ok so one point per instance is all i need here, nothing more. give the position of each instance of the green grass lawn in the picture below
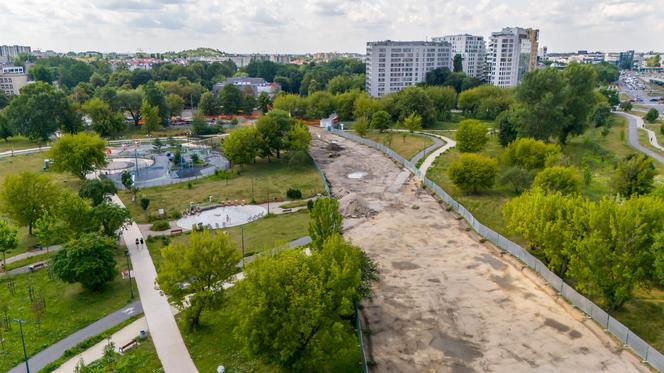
(406, 147)
(263, 234)
(273, 178)
(133, 132)
(35, 163)
(18, 143)
(644, 314)
(213, 344)
(453, 123)
(68, 308)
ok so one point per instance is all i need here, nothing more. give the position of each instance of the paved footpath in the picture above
(165, 334)
(633, 124)
(30, 254)
(449, 143)
(54, 351)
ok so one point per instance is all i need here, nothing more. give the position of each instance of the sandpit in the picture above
(223, 217)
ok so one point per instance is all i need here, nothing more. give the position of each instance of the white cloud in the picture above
(320, 25)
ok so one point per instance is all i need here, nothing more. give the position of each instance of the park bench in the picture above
(287, 210)
(36, 248)
(36, 266)
(176, 231)
(129, 345)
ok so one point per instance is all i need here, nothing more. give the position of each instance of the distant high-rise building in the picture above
(9, 52)
(626, 60)
(511, 54)
(472, 50)
(394, 65)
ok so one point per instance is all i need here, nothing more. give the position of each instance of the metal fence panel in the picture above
(648, 353)
(618, 329)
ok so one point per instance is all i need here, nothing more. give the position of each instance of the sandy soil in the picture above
(445, 301)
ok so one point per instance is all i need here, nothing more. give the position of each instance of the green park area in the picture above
(258, 181)
(406, 146)
(142, 358)
(18, 143)
(52, 309)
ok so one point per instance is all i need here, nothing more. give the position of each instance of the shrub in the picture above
(634, 175)
(530, 153)
(310, 204)
(626, 106)
(294, 193)
(160, 225)
(380, 120)
(471, 136)
(518, 178)
(145, 203)
(652, 115)
(565, 180)
(472, 172)
(361, 125)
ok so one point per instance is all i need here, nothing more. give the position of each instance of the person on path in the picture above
(137, 243)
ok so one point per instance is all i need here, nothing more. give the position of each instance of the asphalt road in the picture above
(633, 138)
(54, 351)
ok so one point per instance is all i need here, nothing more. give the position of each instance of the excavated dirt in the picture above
(445, 302)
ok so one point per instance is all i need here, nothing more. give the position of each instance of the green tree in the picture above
(8, 240)
(564, 180)
(130, 100)
(298, 137)
(580, 81)
(4, 100)
(518, 178)
(72, 216)
(472, 172)
(88, 260)
(27, 196)
(626, 106)
(39, 111)
(110, 217)
(413, 100)
(78, 154)
(634, 175)
(443, 98)
(507, 130)
(150, 116)
(5, 131)
(155, 97)
(607, 73)
(530, 153)
(175, 104)
(325, 221)
(457, 63)
(471, 136)
(320, 105)
(97, 190)
(413, 123)
(380, 120)
(47, 230)
(485, 102)
(365, 106)
(204, 264)
(361, 126)
(602, 115)
(145, 203)
(273, 128)
(209, 104)
(127, 180)
(293, 104)
(105, 121)
(611, 95)
(230, 99)
(320, 289)
(264, 102)
(652, 115)
(242, 145)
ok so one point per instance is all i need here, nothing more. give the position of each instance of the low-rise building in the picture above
(12, 79)
(256, 85)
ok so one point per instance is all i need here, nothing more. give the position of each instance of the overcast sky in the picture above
(294, 26)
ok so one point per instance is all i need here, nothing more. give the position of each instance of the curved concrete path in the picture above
(437, 143)
(164, 330)
(449, 143)
(633, 124)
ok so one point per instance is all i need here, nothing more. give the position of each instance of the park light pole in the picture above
(242, 232)
(25, 351)
(131, 288)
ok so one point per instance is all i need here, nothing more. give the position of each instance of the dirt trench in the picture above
(446, 302)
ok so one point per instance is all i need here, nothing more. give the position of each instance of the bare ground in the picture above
(445, 301)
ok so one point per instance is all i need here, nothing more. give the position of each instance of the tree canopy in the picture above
(89, 260)
(28, 195)
(78, 154)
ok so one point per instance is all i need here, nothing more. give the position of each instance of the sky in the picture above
(299, 26)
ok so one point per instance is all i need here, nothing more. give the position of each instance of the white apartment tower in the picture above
(394, 65)
(9, 52)
(511, 54)
(472, 50)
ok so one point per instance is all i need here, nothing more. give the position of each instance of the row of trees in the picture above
(321, 289)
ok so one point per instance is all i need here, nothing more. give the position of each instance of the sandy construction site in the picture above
(445, 301)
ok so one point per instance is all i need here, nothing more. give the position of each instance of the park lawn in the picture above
(142, 358)
(68, 308)
(406, 147)
(452, 123)
(269, 178)
(133, 132)
(643, 140)
(18, 143)
(260, 235)
(30, 260)
(213, 344)
(35, 163)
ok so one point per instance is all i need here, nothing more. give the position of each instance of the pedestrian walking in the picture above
(142, 242)
(137, 243)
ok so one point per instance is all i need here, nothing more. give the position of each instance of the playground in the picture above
(150, 166)
(222, 217)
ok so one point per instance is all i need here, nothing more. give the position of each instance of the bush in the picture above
(160, 225)
(472, 172)
(471, 136)
(145, 203)
(530, 153)
(565, 180)
(518, 178)
(380, 120)
(294, 193)
(652, 115)
(310, 204)
(634, 175)
(626, 106)
(361, 126)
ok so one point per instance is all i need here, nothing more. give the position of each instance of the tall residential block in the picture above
(512, 52)
(9, 52)
(472, 50)
(394, 65)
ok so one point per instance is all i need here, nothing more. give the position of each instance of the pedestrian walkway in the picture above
(161, 323)
(449, 143)
(54, 351)
(30, 254)
(96, 352)
(633, 124)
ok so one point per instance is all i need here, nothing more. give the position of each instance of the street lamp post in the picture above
(242, 232)
(25, 351)
(131, 288)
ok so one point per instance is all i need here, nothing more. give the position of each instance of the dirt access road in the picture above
(445, 301)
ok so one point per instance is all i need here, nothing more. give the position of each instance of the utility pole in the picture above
(242, 232)
(25, 351)
(131, 287)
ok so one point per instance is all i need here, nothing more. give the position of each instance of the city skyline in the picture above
(282, 26)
